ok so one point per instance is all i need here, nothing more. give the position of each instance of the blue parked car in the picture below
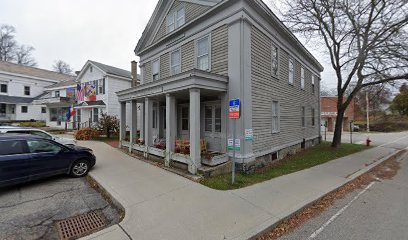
(25, 158)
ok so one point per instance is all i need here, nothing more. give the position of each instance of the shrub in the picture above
(86, 134)
(109, 124)
(36, 124)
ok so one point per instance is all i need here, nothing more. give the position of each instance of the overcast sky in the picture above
(74, 31)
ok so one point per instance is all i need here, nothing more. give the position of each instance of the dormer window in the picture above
(176, 19)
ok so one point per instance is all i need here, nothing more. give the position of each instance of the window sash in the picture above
(26, 90)
(96, 115)
(184, 119)
(313, 84)
(291, 71)
(4, 88)
(170, 23)
(180, 17)
(156, 70)
(303, 117)
(275, 60)
(175, 60)
(302, 78)
(275, 117)
(313, 117)
(203, 54)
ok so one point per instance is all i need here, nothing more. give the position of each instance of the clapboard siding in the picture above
(219, 50)
(266, 89)
(165, 65)
(192, 11)
(187, 56)
(147, 75)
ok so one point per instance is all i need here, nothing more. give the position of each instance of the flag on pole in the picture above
(91, 92)
(80, 93)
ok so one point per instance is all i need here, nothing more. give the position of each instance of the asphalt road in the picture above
(29, 211)
(380, 212)
(397, 140)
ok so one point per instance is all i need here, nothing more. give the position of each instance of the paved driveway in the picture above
(30, 211)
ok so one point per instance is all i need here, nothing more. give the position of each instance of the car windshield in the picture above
(42, 134)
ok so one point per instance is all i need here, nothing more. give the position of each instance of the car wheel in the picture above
(80, 168)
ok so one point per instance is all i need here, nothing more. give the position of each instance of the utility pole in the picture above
(368, 113)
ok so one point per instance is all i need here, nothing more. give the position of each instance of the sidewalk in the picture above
(163, 205)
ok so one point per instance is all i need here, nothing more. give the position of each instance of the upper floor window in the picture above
(27, 90)
(303, 117)
(275, 60)
(156, 70)
(101, 86)
(203, 53)
(57, 93)
(43, 110)
(313, 84)
(175, 62)
(291, 71)
(91, 69)
(176, 19)
(302, 77)
(3, 88)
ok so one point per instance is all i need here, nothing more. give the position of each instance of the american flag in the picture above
(80, 93)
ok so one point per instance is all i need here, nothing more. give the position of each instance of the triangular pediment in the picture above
(154, 28)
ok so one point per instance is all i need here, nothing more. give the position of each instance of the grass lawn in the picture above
(306, 159)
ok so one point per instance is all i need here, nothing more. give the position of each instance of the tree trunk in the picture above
(338, 128)
(107, 132)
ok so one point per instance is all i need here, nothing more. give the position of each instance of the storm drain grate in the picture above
(78, 226)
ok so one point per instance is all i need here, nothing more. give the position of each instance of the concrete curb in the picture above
(116, 201)
(271, 224)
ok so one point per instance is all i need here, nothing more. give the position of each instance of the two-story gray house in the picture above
(196, 55)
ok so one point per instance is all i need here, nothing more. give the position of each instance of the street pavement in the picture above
(396, 140)
(29, 211)
(162, 205)
(379, 213)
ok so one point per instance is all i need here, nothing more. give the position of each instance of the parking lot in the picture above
(30, 211)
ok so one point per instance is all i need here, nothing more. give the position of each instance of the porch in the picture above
(183, 119)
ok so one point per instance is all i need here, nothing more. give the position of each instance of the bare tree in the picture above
(62, 67)
(8, 44)
(365, 40)
(23, 56)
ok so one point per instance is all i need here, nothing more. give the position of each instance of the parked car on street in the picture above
(26, 157)
(37, 132)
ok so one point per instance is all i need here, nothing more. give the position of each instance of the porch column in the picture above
(142, 125)
(195, 149)
(148, 124)
(122, 132)
(133, 124)
(171, 127)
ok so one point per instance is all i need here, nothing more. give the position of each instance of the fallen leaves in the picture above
(386, 170)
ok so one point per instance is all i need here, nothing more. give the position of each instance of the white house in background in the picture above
(20, 86)
(58, 100)
(106, 80)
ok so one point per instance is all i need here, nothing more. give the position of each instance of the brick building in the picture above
(329, 113)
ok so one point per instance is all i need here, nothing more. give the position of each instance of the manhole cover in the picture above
(78, 226)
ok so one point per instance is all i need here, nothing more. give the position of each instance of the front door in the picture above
(212, 126)
(184, 121)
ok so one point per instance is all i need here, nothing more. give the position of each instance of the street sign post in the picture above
(234, 114)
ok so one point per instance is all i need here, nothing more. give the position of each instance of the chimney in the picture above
(134, 73)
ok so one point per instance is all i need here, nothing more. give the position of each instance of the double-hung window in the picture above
(275, 60)
(303, 117)
(212, 116)
(313, 84)
(156, 69)
(313, 117)
(27, 90)
(275, 117)
(101, 86)
(291, 71)
(176, 19)
(302, 77)
(203, 53)
(3, 88)
(175, 62)
(96, 115)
